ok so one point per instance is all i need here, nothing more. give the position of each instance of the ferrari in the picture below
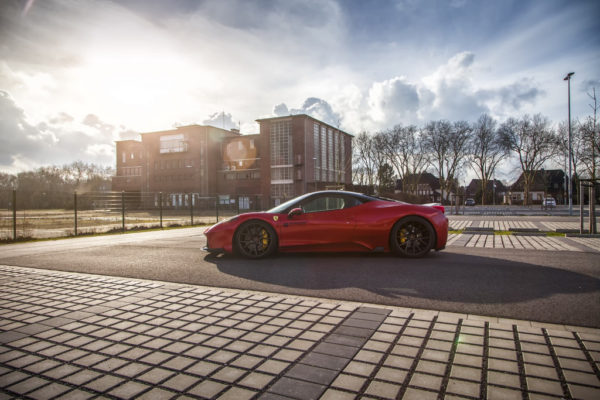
(333, 221)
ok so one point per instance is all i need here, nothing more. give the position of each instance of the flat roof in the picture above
(303, 116)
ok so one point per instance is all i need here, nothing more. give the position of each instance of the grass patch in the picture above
(555, 234)
(503, 232)
(113, 231)
(455, 232)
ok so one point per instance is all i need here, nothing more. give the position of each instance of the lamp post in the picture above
(568, 79)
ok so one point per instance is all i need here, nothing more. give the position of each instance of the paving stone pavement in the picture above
(459, 223)
(526, 242)
(77, 336)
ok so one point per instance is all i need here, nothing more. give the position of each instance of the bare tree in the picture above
(590, 135)
(448, 145)
(365, 160)
(486, 150)
(534, 143)
(589, 146)
(405, 152)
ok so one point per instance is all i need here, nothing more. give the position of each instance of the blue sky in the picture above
(77, 75)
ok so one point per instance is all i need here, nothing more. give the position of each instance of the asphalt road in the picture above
(555, 287)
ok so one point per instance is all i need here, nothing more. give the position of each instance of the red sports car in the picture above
(333, 221)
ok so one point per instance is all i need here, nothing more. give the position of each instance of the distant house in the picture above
(425, 184)
(546, 183)
(493, 187)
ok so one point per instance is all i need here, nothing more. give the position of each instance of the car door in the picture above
(326, 220)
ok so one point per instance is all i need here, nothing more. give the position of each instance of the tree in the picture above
(385, 176)
(589, 135)
(534, 143)
(405, 152)
(364, 159)
(448, 144)
(486, 150)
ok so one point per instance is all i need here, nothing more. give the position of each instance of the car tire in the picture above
(255, 239)
(412, 237)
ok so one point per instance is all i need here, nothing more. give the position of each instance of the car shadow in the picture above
(427, 282)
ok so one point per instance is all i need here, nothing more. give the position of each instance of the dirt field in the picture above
(60, 223)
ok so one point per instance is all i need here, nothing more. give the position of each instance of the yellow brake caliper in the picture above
(265, 238)
(402, 236)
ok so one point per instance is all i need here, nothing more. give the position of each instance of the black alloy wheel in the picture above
(412, 237)
(255, 239)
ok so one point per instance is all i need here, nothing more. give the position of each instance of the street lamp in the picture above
(568, 79)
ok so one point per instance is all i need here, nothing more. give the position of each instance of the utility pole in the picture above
(568, 79)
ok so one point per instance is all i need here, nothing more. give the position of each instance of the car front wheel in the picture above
(412, 237)
(255, 239)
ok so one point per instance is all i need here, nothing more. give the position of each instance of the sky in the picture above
(76, 75)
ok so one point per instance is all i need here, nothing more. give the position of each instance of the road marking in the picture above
(553, 226)
(592, 243)
(520, 242)
(461, 224)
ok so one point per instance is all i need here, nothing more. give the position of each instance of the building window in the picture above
(173, 143)
(330, 154)
(281, 143)
(282, 191)
(281, 174)
(323, 154)
(317, 152)
(281, 154)
(342, 158)
(124, 156)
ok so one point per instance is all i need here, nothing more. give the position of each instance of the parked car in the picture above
(548, 203)
(469, 202)
(333, 221)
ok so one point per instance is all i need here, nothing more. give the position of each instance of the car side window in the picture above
(323, 203)
(351, 202)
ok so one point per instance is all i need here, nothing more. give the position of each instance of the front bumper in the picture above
(214, 251)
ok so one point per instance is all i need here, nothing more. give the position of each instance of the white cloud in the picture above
(315, 107)
(393, 101)
(58, 140)
(221, 120)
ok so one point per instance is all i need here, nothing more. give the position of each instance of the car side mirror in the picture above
(294, 212)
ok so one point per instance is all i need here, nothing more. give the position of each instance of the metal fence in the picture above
(21, 215)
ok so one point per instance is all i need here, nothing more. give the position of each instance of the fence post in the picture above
(593, 207)
(192, 208)
(592, 211)
(75, 210)
(217, 206)
(160, 201)
(14, 201)
(123, 210)
(581, 201)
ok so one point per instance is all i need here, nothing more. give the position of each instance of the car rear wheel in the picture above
(255, 239)
(412, 237)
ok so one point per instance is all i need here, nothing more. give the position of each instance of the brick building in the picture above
(290, 156)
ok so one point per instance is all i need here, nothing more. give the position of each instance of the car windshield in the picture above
(284, 206)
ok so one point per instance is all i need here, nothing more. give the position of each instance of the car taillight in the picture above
(441, 208)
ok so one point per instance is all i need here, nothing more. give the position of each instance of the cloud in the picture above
(510, 98)
(313, 106)
(393, 100)
(220, 120)
(55, 141)
(281, 110)
(589, 84)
